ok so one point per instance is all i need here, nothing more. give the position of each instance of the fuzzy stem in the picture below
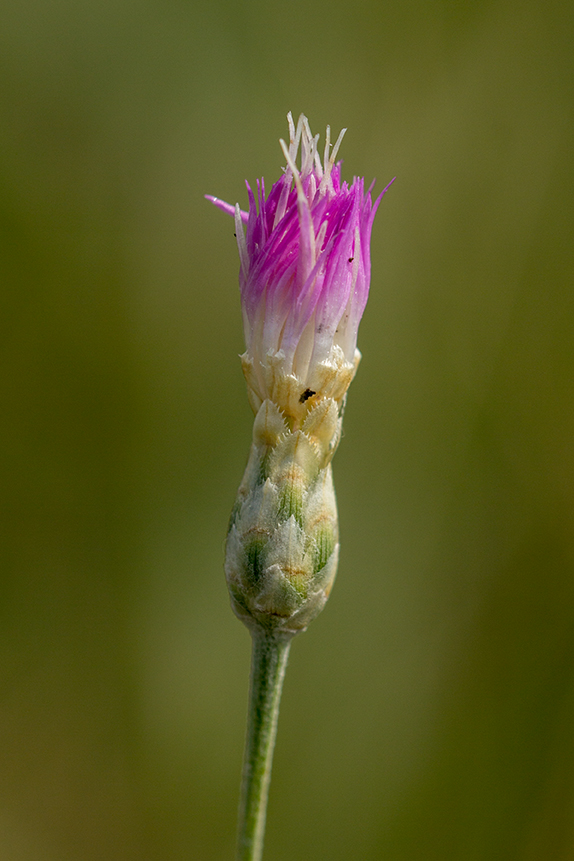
(268, 663)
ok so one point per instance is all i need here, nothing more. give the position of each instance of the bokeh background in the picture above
(429, 712)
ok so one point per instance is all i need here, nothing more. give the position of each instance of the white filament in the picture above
(310, 158)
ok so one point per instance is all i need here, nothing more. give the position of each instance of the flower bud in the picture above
(304, 280)
(282, 544)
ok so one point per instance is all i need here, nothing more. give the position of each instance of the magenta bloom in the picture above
(304, 276)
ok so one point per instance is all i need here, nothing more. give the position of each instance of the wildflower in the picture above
(304, 277)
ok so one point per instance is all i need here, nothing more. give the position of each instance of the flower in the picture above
(304, 277)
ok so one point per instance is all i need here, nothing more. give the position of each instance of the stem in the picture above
(268, 663)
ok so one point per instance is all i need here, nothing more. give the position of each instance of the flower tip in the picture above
(380, 197)
(387, 186)
(227, 207)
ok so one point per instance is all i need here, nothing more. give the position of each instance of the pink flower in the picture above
(304, 275)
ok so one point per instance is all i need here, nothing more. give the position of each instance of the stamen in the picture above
(326, 181)
(327, 147)
(308, 148)
(336, 147)
(305, 141)
(290, 162)
(318, 165)
(291, 127)
(307, 233)
(294, 144)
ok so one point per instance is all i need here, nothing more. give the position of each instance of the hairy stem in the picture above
(268, 663)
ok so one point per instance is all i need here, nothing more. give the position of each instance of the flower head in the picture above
(304, 276)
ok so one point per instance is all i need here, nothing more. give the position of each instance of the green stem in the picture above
(268, 663)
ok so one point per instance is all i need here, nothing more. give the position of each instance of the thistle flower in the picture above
(304, 276)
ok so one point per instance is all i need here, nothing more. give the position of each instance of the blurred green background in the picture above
(429, 712)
